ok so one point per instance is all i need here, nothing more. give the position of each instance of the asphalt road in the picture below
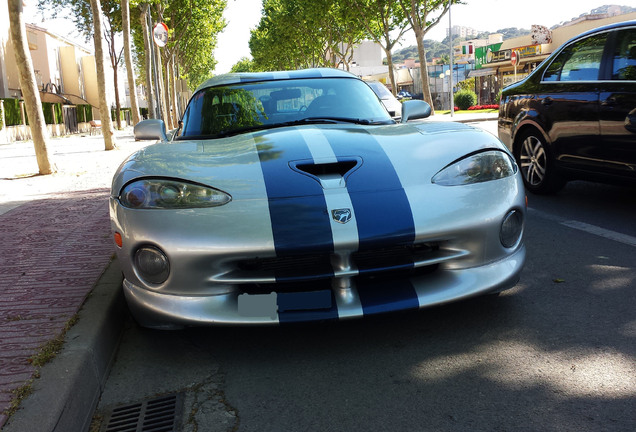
(556, 353)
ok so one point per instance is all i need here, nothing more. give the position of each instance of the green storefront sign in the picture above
(481, 54)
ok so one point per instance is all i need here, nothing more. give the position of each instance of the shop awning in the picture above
(482, 72)
(76, 100)
(54, 98)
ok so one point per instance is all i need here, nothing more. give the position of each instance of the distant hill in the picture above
(436, 49)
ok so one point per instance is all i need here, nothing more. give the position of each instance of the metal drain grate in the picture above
(155, 415)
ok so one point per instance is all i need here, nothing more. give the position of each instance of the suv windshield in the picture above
(226, 110)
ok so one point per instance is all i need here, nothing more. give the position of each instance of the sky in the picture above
(483, 15)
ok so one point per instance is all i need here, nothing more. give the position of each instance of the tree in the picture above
(113, 25)
(294, 34)
(385, 23)
(104, 111)
(125, 18)
(418, 13)
(82, 15)
(243, 65)
(28, 85)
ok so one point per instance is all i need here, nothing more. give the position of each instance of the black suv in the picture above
(574, 116)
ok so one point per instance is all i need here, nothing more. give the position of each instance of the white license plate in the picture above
(258, 305)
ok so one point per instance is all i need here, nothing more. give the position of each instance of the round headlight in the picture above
(136, 197)
(152, 264)
(511, 229)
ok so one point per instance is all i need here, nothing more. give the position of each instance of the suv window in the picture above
(579, 61)
(624, 58)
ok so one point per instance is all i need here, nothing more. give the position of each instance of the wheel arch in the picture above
(521, 128)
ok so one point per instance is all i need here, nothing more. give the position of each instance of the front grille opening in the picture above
(162, 414)
(396, 257)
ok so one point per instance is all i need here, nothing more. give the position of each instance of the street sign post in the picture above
(514, 59)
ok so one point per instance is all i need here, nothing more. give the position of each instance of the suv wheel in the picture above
(536, 164)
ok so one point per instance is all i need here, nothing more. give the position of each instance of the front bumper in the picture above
(157, 310)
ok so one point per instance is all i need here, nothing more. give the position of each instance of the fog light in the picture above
(511, 229)
(152, 264)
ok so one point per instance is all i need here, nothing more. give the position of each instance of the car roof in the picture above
(246, 77)
(607, 27)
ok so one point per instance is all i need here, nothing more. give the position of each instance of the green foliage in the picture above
(464, 99)
(243, 65)
(295, 34)
(12, 112)
(467, 84)
(84, 113)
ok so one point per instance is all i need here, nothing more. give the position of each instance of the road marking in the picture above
(590, 229)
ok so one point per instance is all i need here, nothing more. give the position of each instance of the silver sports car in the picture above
(294, 196)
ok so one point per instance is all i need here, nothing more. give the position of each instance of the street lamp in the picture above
(452, 53)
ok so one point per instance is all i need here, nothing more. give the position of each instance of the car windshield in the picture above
(380, 89)
(227, 110)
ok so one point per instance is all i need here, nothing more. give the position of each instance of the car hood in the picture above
(305, 160)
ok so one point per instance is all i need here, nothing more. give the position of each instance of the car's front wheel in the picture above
(536, 164)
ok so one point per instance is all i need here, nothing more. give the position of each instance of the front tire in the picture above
(537, 164)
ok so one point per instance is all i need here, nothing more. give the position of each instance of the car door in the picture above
(569, 102)
(618, 104)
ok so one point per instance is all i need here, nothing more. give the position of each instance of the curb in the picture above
(65, 396)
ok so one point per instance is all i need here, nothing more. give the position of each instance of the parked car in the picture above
(294, 196)
(574, 116)
(403, 94)
(393, 106)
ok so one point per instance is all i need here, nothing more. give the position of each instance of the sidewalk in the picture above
(56, 244)
(55, 249)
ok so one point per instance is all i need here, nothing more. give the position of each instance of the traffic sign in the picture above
(160, 34)
(514, 58)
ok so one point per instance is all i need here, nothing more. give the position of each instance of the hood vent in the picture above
(329, 175)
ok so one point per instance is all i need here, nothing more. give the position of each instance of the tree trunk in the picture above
(173, 95)
(161, 91)
(389, 61)
(28, 86)
(115, 64)
(426, 90)
(132, 89)
(104, 111)
(150, 94)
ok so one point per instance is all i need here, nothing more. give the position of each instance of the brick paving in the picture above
(54, 244)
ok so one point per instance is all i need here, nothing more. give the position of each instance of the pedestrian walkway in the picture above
(55, 244)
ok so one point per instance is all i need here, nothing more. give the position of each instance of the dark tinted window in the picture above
(624, 59)
(579, 61)
(225, 109)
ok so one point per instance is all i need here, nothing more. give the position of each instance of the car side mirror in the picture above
(415, 109)
(151, 129)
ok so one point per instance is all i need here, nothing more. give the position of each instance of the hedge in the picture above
(464, 99)
(52, 116)
(12, 112)
(84, 113)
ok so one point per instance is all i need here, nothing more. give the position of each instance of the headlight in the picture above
(480, 167)
(170, 194)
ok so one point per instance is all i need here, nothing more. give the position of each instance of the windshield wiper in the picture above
(332, 120)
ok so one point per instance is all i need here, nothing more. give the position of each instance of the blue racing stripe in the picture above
(387, 295)
(291, 316)
(383, 212)
(298, 212)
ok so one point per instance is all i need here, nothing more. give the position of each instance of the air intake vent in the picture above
(319, 170)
